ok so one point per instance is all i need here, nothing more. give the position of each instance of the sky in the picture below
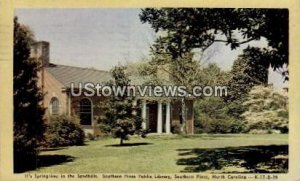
(103, 38)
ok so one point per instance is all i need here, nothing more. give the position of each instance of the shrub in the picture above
(224, 125)
(105, 128)
(211, 116)
(176, 128)
(63, 131)
(267, 109)
(91, 137)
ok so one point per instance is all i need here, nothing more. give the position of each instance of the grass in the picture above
(169, 154)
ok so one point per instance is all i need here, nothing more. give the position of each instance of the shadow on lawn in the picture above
(129, 144)
(42, 161)
(247, 159)
(52, 149)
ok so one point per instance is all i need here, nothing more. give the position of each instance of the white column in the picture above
(168, 117)
(134, 105)
(144, 110)
(159, 117)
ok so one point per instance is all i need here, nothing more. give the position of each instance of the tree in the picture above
(212, 113)
(184, 29)
(212, 75)
(248, 70)
(28, 111)
(119, 119)
(184, 71)
(266, 109)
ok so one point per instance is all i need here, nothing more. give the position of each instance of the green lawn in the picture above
(169, 154)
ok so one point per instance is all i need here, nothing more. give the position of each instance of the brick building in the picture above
(55, 81)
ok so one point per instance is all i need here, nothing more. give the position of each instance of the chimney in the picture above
(40, 51)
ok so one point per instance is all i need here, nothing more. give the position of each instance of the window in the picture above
(85, 112)
(54, 106)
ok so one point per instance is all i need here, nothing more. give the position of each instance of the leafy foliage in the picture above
(28, 112)
(163, 69)
(250, 69)
(119, 118)
(63, 130)
(266, 109)
(184, 29)
(211, 116)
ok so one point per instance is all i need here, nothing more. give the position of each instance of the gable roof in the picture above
(68, 74)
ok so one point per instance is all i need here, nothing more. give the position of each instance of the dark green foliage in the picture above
(121, 117)
(250, 69)
(28, 112)
(214, 114)
(188, 28)
(63, 131)
(124, 128)
(185, 29)
(211, 116)
(236, 108)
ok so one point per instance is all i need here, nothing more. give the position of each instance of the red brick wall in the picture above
(53, 88)
(96, 100)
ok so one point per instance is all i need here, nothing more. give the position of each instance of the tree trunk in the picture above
(121, 141)
(183, 116)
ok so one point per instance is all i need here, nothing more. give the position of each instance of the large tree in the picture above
(28, 112)
(212, 114)
(185, 71)
(248, 70)
(184, 29)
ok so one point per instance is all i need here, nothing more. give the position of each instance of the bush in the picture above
(211, 116)
(224, 125)
(63, 131)
(176, 128)
(267, 109)
(91, 137)
(105, 128)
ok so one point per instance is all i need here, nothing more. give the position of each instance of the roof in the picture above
(68, 74)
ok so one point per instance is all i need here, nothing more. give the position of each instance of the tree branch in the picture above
(240, 43)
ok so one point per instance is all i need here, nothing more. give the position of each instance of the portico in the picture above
(162, 117)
